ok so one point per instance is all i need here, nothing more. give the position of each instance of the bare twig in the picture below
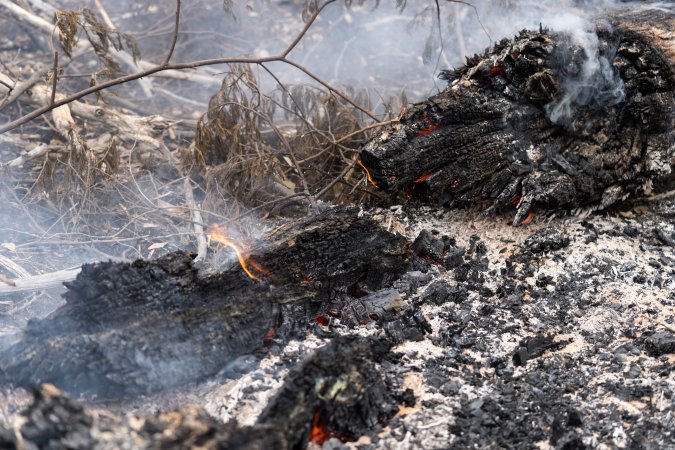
(19, 89)
(197, 220)
(337, 179)
(174, 38)
(266, 204)
(13, 267)
(325, 84)
(477, 16)
(55, 70)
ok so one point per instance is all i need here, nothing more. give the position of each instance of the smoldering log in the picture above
(337, 392)
(544, 120)
(130, 328)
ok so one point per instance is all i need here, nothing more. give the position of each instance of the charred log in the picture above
(542, 121)
(338, 392)
(130, 328)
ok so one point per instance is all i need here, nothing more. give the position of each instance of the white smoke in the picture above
(587, 75)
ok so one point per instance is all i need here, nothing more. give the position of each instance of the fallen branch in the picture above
(128, 126)
(13, 267)
(39, 282)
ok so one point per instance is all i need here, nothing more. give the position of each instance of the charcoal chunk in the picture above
(454, 258)
(428, 246)
(548, 239)
(535, 346)
(660, 343)
(437, 293)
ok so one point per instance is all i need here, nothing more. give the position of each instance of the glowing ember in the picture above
(424, 177)
(529, 218)
(258, 268)
(496, 70)
(431, 128)
(515, 200)
(220, 235)
(367, 174)
(319, 433)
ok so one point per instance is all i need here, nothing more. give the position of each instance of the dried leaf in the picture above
(132, 44)
(66, 22)
(157, 245)
(9, 246)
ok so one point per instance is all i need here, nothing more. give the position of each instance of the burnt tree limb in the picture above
(338, 391)
(545, 120)
(131, 328)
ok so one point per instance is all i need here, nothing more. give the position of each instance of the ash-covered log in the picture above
(130, 328)
(545, 120)
(338, 392)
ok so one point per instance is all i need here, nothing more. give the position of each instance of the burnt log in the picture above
(545, 120)
(132, 328)
(337, 392)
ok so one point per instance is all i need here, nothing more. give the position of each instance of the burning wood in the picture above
(543, 121)
(337, 392)
(141, 327)
(220, 236)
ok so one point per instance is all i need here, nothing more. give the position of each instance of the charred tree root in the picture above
(137, 328)
(542, 122)
(337, 392)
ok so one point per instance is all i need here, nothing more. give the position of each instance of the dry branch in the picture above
(282, 57)
(39, 282)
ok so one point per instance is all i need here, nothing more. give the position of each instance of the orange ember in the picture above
(529, 218)
(515, 200)
(367, 173)
(251, 262)
(424, 177)
(428, 130)
(496, 70)
(319, 433)
(431, 128)
(220, 236)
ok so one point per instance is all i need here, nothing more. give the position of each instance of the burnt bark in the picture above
(337, 392)
(542, 121)
(130, 328)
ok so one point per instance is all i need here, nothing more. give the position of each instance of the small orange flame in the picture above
(220, 235)
(367, 173)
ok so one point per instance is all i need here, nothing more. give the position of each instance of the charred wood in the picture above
(543, 121)
(130, 328)
(337, 392)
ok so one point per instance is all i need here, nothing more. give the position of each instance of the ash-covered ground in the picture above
(560, 334)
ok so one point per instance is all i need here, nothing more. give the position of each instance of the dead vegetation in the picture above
(103, 177)
(106, 155)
